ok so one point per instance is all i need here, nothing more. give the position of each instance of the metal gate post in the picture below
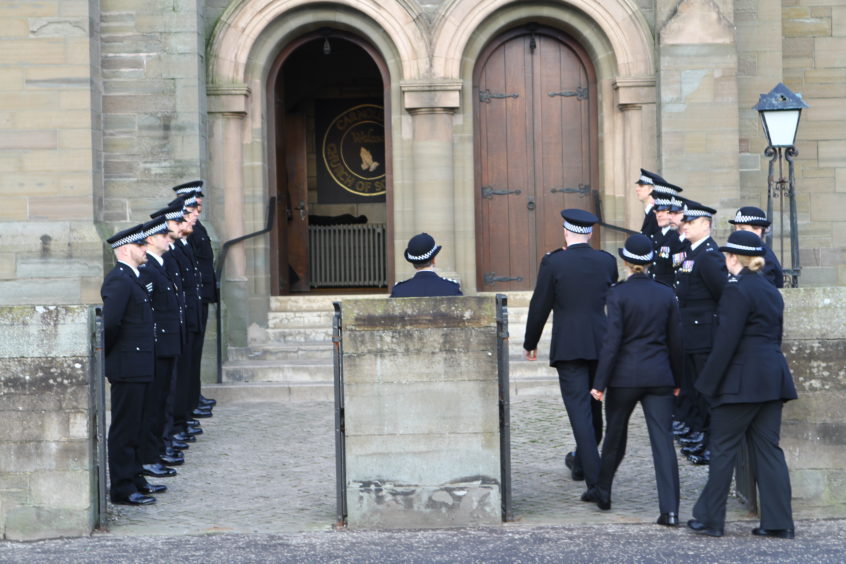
(340, 439)
(504, 404)
(98, 425)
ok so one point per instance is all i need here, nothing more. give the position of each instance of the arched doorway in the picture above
(332, 175)
(535, 108)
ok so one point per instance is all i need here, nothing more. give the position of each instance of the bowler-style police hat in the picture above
(669, 203)
(421, 249)
(155, 226)
(186, 201)
(750, 215)
(744, 243)
(664, 188)
(195, 187)
(637, 250)
(134, 235)
(579, 221)
(694, 210)
(174, 212)
(647, 177)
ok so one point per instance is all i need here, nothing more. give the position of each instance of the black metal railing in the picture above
(502, 357)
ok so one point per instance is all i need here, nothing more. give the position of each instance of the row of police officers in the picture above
(155, 310)
(693, 334)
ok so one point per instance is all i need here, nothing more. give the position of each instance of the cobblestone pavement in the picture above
(268, 467)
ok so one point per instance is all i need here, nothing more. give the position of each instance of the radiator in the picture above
(347, 255)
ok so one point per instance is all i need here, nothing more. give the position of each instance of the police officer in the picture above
(129, 346)
(700, 279)
(201, 245)
(421, 253)
(747, 381)
(573, 283)
(641, 361)
(750, 218)
(648, 187)
(666, 242)
(168, 322)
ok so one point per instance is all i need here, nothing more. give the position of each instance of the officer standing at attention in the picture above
(643, 189)
(750, 218)
(700, 280)
(421, 252)
(666, 242)
(573, 284)
(129, 346)
(747, 381)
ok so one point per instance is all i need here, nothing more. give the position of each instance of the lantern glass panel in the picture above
(781, 126)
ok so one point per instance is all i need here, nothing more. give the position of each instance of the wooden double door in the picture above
(536, 151)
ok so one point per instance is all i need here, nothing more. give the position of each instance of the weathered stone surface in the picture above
(33, 523)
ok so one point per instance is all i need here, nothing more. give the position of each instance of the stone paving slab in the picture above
(269, 467)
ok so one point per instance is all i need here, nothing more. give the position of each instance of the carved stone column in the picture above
(635, 98)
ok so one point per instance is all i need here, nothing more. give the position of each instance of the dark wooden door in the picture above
(535, 100)
(297, 182)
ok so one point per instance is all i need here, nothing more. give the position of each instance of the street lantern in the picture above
(780, 110)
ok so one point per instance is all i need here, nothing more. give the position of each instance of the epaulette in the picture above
(456, 282)
(559, 249)
(733, 279)
(400, 282)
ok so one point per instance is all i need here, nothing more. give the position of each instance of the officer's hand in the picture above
(597, 395)
(530, 355)
(676, 391)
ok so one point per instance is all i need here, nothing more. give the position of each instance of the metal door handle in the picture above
(488, 192)
(302, 208)
(531, 205)
(492, 278)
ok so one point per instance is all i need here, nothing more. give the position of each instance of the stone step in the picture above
(297, 335)
(275, 371)
(284, 353)
(294, 319)
(314, 302)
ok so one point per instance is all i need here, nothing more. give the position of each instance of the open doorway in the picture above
(332, 173)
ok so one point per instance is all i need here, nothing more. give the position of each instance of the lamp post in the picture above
(780, 110)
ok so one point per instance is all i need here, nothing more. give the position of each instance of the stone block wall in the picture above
(47, 486)
(422, 412)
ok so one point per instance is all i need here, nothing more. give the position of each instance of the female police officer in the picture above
(641, 361)
(746, 380)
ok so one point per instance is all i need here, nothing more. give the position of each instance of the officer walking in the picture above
(750, 218)
(573, 284)
(421, 253)
(130, 365)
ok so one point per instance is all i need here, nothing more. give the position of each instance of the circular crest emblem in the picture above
(354, 150)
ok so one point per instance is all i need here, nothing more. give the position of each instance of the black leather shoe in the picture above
(592, 495)
(171, 460)
(175, 452)
(692, 438)
(209, 402)
(178, 445)
(681, 431)
(201, 413)
(192, 422)
(136, 498)
(668, 520)
(192, 431)
(702, 528)
(677, 424)
(184, 438)
(775, 533)
(700, 459)
(157, 471)
(575, 473)
(153, 488)
(698, 448)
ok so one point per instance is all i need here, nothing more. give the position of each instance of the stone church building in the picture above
(368, 121)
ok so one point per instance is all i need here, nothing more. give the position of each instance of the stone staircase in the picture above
(292, 358)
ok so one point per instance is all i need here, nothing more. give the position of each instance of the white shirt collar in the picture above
(694, 246)
(647, 207)
(664, 230)
(135, 270)
(159, 259)
(184, 241)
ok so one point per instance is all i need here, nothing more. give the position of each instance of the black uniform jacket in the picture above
(425, 284)
(190, 285)
(650, 223)
(643, 343)
(201, 245)
(746, 364)
(772, 269)
(128, 327)
(573, 283)
(700, 279)
(166, 308)
(666, 246)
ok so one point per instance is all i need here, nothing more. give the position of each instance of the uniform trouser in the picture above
(657, 405)
(575, 377)
(184, 370)
(154, 411)
(696, 411)
(198, 356)
(760, 423)
(127, 405)
(170, 401)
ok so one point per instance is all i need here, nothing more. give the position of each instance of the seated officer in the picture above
(421, 254)
(750, 218)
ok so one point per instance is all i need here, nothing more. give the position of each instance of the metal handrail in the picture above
(221, 260)
(598, 206)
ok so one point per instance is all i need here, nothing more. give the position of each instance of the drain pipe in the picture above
(221, 260)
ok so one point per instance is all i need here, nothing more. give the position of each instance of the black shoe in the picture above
(184, 438)
(775, 533)
(692, 438)
(700, 459)
(174, 452)
(577, 474)
(698, 448)
(171, 460)
(178, 445)
(207, 402)
(153, 488)
(157, 471)
(192, 422)
(201, 413)
(592, 495)
(681, 431)
(135, 499)
(668, 520)
(192, 431)
(677, 424)
(702, 528)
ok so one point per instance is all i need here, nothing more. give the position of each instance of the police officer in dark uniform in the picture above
(666, 242)
(747, 381)
(641, 361)
(750, 218)
(129, 346)
(573, 284)
(201, 245)
(421, 253)
(167, 315)
(649, 187)
(700, 280)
